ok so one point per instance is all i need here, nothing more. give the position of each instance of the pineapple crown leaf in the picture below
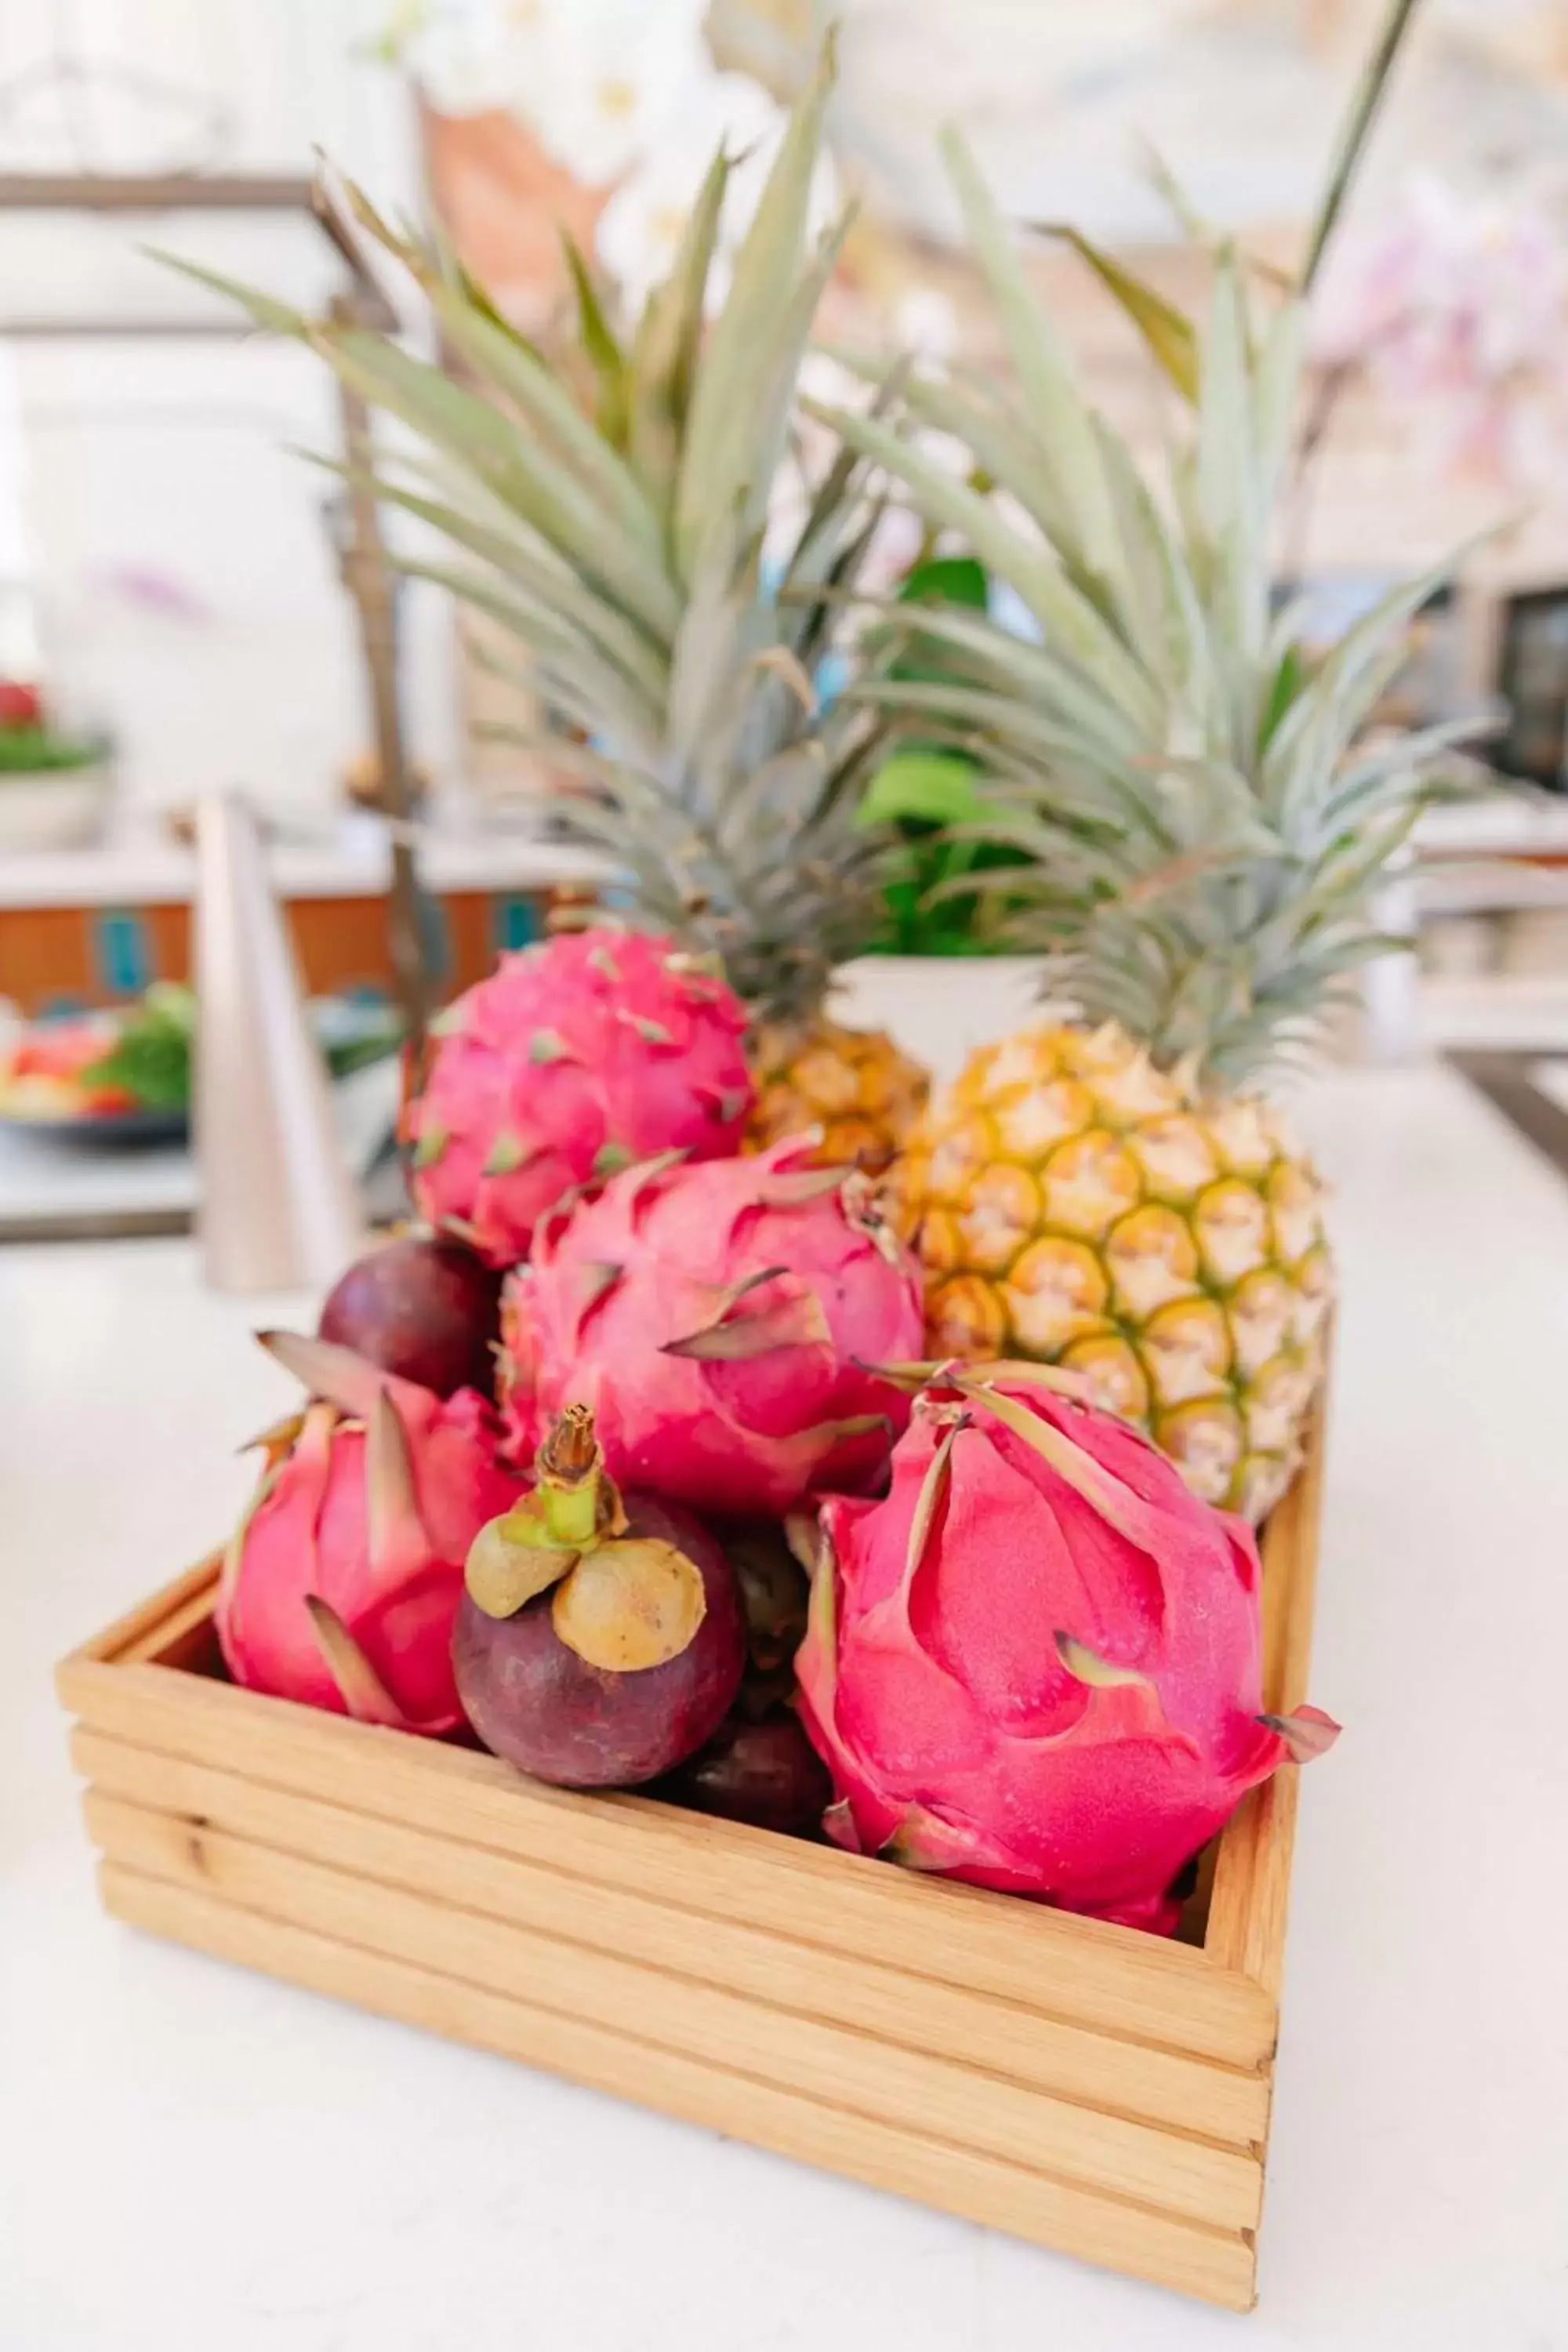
(615, 556)
(1196, 789)
(1167, 332)
(600, 347)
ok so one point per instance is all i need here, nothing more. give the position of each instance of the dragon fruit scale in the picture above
(1035, 1664)
(576, 1056)
(340, 1584)
(721, 1322)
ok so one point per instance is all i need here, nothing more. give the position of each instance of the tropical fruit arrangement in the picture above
(743, 1426)
(1028, 1655)
(64, 1069)
(112, 1067)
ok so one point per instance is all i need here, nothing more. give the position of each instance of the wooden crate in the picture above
(1088, 2087)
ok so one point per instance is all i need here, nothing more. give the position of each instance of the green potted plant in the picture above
(943, 940)
(53, 782)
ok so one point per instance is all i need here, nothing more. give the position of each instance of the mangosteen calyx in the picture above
(623, 1602)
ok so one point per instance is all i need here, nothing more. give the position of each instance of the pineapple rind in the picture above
(1170, 1248)
(853, 1084)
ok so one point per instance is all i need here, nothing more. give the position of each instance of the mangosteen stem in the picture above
(569, 1448)
(573, 1515)
(574, 1499)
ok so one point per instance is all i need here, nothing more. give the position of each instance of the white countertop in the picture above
(346, 856)
(193, 2160)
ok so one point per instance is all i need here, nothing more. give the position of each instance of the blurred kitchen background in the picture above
(173, 611)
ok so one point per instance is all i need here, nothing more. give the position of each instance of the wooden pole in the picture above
(368, 578)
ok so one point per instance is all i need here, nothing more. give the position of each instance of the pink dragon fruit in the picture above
(576, 1057)
(1036, 1666)
(341, 1581)
(720, 1322)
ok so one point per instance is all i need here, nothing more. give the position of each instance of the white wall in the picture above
(186, 588)
(160, 471)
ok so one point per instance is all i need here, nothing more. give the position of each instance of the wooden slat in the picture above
(180, 1638)
(912, 2162)
(140, 1631)
(1118, 2077)
(1247, 1910)
(876, 2079)
(1108, 1977)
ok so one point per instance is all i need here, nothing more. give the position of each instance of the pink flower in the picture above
(1457, 305)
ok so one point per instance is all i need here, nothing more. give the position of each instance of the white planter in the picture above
(938, 1008)
(58, 808)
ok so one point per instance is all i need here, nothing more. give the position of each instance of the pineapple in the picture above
(620, 552)
(853, 1084)
(1207, 821)
(1073, 1203)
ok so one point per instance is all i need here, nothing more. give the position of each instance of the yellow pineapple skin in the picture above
(854, 1084)
(1072, 1203)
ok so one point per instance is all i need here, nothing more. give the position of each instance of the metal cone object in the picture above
(277, 1209)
